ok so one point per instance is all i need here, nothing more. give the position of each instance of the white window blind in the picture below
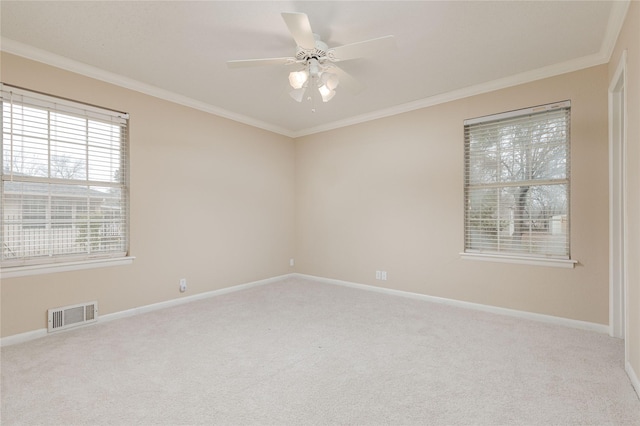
(517, 183)
(64, 194)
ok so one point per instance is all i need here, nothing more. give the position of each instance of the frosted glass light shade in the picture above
(298, 94)
(297, 79)
(330, 80)
(326, 93)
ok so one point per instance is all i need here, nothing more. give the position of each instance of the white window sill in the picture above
(49, 268)
(536, 261)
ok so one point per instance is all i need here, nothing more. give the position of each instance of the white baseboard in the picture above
(583, 325)
(23, 337)
(633, 377)
(37, 334)
(188, 299)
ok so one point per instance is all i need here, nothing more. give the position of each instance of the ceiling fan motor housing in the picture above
(318, 52)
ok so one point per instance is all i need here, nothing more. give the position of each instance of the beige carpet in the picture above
(299, 352)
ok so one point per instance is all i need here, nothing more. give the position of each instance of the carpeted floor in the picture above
(301, 352)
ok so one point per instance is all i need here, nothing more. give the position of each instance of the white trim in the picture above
(633, 377)
(478, 89)
(188, 299)
(50, 268)
(36, 334)
(535, 261)
(45, 101)
(616, 20)
(565, 322)
(614, 26)
(618, 290)
(517, 113)
(23, 337)
(39, 55)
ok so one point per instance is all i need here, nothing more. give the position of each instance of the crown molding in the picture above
(478, 89)
(616, 20)
(614, 26)
(48, 58)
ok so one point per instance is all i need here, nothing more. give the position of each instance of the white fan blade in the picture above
(300, 29)
(362, 48)
(260, 62)
(347, 81)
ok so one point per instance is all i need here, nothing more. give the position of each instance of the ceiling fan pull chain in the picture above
(312, 91)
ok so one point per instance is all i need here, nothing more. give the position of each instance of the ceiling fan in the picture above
(316, 72)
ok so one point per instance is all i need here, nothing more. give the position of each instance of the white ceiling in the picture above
(178, 50)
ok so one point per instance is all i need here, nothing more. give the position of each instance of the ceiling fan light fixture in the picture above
(326, 93)
(314, 60)
(330, 80)
(298, 94)
(297, 79)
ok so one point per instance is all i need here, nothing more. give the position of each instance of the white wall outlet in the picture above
(384, 276)
(378, 275)
(291, 262)
(183, 285)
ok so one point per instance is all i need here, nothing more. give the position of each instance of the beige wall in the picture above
(629, 40)
(388, 195)
(211, 201)
(215, 201)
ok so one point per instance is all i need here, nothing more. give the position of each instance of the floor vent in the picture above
(72, 316)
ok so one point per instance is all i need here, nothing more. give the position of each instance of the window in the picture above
(34, 213)
(517, 183)
(62, 213)
(64, 193)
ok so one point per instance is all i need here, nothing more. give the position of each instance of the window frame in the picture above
(500, 254)
(116, 188)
